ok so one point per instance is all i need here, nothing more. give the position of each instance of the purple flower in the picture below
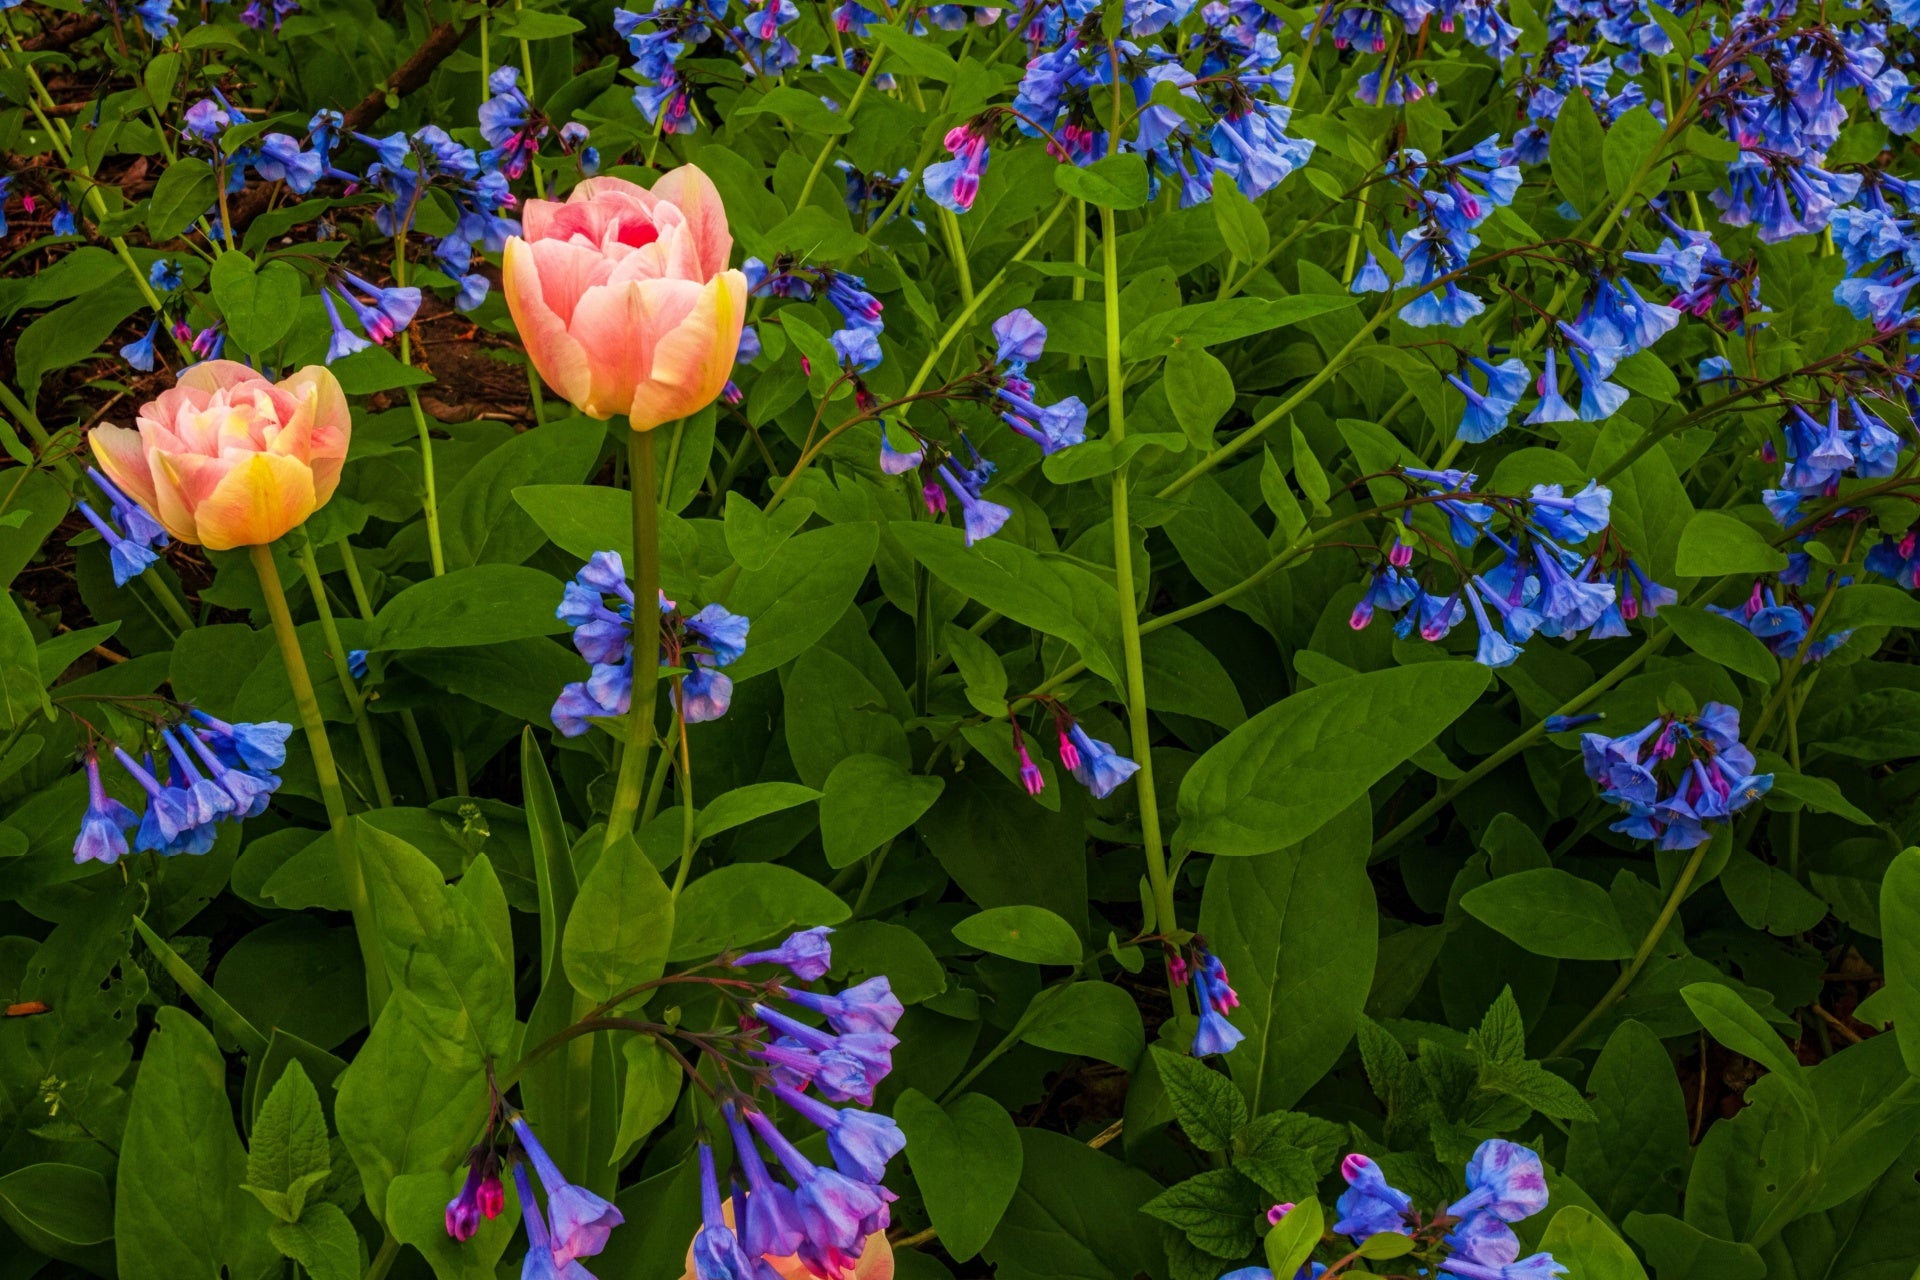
(1022, 339)
(724, 633)
(579, 1220)
(869, 1006)
(1096, 765)
(541, 1264)
(862, 1142)
(1504, 1179)
(1369, 1205)
(834, 1210)
(104, 826)
(806, 954)
(717, 1254)
(703, 694)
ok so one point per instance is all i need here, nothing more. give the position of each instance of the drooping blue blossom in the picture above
(578, 1221)
(1676, 777)
(807, 954)
(1094, 764)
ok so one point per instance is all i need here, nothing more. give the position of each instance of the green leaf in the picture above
(416, 1214)
(480, 523)
(1033, 934)
(617, 934)
(1290, 1244)
(1297, 929)
(1767, 897)
(1207, 1105)
(1714, 543)
(1822, 795)
(1053, 597)
(739, 905)
(1588, 1247)
(21, 692)
(485, 604)
(1207, 324)
(288, 1153)
(924, 59)
(1201, 392)
(1722, 640)
(1681, 1249)
(533, 24)
(1631, 1157)
(653, 1079)
(322, 1241)
(1732, 1021)
(1553, 913)
(742, 805)
(1090, 1019)
(753, 536)
(1117, 182)
(1869, 604)
(966, 1160)
(1576, 155)
(178, 1208)
(980, 667)
(62, 1211)
(1075, 1216)
(800, 593)
(794, 108)
(187, 189)
(1283, 774)
(1900, 933)
(1632, 145)
(259, 306)
(1241, 225)
(1386, 1244)
(1215, 1210)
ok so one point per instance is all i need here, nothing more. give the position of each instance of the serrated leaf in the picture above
(1209, 1107)
(289, 1151)
(1215, 1210)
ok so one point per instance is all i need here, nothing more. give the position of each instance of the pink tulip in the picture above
(229, 459)
(623, 296)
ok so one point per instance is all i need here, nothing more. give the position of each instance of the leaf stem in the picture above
(365, 927)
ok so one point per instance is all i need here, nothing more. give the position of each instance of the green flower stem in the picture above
(526, 71)
(853, 105)
(409, 724)
(429, 496)
(645, 570)
(353, 876)
(957, 249)
(683, 783)
(1339, 360)
(980, 296)
(1641, 954)
(14, 405)
(1124, 599)
(362, 723)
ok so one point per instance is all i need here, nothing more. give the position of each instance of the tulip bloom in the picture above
(624, 299)
(227, 458)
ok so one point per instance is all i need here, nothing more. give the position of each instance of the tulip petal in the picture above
(217, 375)
(256, 501)
(330, 428)
(618, 326)
(555, 353)
(123, 457)
(690, 190)
(692, 361)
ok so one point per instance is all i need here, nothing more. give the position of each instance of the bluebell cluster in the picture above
(215, 771)
(1847, 439)
(1679, 778)
(1506, 1183)
(1213, 993)
(1780, 619)
(791, 1206)
(133, 537)
(1019, 340)
(598, 604)
(857, 341)
(1449, 200)
(1544, 583)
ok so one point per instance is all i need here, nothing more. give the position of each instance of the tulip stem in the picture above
(1141, 734)
(645, 570)
(366, 929)
(362, 724)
